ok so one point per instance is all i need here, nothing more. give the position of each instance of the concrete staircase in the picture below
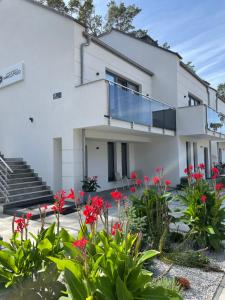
(27, 191)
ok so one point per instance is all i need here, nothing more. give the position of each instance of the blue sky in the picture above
(194, 28)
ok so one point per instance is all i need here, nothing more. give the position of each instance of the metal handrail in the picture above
(5, 170)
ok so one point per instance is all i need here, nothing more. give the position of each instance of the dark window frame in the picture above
(123, 81)
(193, 101)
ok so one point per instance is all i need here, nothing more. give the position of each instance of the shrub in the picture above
(90, 184)
(204, 215)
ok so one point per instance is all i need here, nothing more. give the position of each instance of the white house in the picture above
(197, 104)
(75, 106)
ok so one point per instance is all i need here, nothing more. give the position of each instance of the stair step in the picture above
(13, 159)
(22, 175)
(13, 186)
(21, 171)
(34, 209)
(27, 196)
(29, 202)
(25, 190)
(19, 167)
(22, 180)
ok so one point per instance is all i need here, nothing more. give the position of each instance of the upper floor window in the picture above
(122, 81)
(193, 101)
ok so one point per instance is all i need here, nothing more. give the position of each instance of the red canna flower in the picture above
(167, 182)
(203, 198)
(116, 227)
(219, 187)
(81, 193)
(71, 195)
(133, 189)
(28, 216)
(108, 205)
(146, 179)
(201, 166)
(215, 172)
(116, 195)
(133, 175)
(21, 224)
(125, 198)
(81, 244)
(197, 176)
(156, 180)
(138, 182)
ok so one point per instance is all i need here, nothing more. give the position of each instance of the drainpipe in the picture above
(86, 44)
(207, 89)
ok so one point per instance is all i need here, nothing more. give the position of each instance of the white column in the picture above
(78, 158)
(118, 158)
(67, 161)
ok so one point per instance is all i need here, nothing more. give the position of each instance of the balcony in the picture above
(106, 103)
(130, 106)
(200, 120)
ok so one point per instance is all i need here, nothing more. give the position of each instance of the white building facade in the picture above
(74, 106)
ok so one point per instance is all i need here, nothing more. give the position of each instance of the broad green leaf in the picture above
(147, 255)
(121, 290)
(66, 237)
(45, 246)
(8, 261)
(77, 287)
(210, 230)
(6, 245)
(158, 293)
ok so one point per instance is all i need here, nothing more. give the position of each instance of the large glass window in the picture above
(122, 81)
(193, 101)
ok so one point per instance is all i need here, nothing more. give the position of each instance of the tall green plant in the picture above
(205, 215)
(111, 268)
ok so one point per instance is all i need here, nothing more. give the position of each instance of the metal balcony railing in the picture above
(5, 170)
(215, 121)
(131, 106)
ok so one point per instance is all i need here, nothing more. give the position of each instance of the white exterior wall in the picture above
(212, 98)
(161, 152)
(189, 84)
(163, 64)
(49, 46)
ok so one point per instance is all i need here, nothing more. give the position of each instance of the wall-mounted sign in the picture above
(57, 95)
(11, 75)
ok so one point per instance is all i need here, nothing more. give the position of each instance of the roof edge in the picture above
(119, 54)
(56, 12)
(127, 34)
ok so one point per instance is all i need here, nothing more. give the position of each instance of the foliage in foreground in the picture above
(204, 215)
(107, 267)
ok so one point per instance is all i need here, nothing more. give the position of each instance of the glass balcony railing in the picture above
(215, 121)
(128, 105)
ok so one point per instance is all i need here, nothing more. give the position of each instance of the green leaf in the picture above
(45, 246)
(66, 237)
(77, 287)
(8, 261)
(50, 233)
(147, 255)
(6, 245)
(158, 293)
(121, 290)
(210, 230)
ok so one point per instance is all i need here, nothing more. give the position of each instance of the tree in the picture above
(84, 11)
(190, 65)
(221, 90)
(56, 4)
(166, 45)
(121, 16)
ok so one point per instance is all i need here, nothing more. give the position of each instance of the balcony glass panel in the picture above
(215, 121)
(130, 106)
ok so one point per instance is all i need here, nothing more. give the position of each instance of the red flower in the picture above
(116, 227)
(133, 175)
(203, 198)
(28, 216)
(201, 166)
(133, 189)
(60, 200)
(138, 182)
(188, 170)
(116, 195)
(125, 197)
(146, 179)
(21, 224)
(81, 193)
(71, 195)
(92, 211)
(167, 182)
(108, 205)
(219, 187)
(215, 172)
(156, 180)
(81, 244)
(197, 176)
